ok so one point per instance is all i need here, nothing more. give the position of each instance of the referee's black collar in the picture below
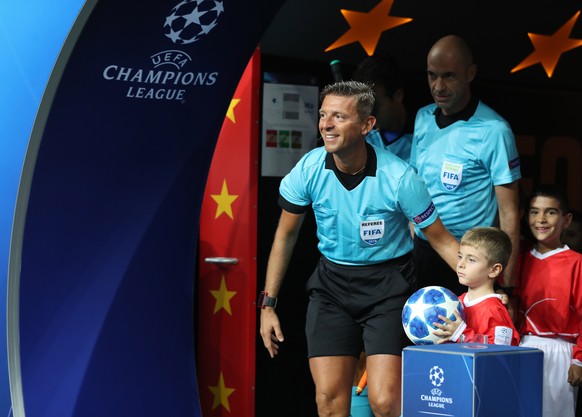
(443, 120)
(369, 170)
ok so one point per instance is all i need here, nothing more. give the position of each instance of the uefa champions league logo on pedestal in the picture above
(436, 376)
(436, 399)
(192, 19)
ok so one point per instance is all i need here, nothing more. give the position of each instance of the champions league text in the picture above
(159, 85)
(435, 401)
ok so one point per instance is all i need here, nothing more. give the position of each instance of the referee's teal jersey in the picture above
(462, 163)
(366, 224)
(398, 144)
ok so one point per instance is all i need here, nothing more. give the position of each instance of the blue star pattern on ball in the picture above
(192, 19)
(422, 309)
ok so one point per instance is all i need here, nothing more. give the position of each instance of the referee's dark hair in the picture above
(382, 70)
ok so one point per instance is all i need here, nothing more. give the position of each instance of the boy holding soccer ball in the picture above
(483, 255)
(550, 300)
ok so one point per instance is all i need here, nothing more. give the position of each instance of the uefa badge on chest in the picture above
(372, 231)
(451, 175)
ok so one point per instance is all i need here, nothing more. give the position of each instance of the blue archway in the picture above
(109, 115)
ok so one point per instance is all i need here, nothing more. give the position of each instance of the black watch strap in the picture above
(266, 301)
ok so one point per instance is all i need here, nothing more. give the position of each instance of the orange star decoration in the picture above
(548, 49)
(223, 297)
(224, 201)
(366, 28)
(221, 394)
(230, 111)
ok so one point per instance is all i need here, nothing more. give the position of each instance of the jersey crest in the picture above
(372, 231)
(451, 175)
(503, 335)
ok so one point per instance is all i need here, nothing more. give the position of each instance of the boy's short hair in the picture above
(494, 242)
(552, 191)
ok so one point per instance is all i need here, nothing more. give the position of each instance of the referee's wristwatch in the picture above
(266, 301)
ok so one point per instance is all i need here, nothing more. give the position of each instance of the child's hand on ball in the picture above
(447, 328)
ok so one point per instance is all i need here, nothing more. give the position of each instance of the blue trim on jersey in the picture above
(425, 215)
(514, 163)
(369, 223)
(462, 163)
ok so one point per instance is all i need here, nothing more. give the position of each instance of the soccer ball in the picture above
(422, 309)
(192, 19)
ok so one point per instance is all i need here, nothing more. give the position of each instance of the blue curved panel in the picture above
(31, 36)
(103, 254)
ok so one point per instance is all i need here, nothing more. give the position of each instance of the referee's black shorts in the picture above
(358, 308)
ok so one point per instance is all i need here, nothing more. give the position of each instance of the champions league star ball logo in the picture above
(192, 19)
(436, 376)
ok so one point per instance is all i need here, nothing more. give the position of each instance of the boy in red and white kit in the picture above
(550, 300)
(483, 255)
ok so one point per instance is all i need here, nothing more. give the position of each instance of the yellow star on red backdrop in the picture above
(223, 297)
(230, 111)
(366, 28)
(549, 48)
(221, 394)
(224, 200)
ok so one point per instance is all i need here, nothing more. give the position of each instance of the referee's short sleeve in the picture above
(290, 207)
(415, 200)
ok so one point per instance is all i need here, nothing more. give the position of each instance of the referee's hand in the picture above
(271, 330)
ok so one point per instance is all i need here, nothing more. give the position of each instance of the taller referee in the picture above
(363, 198)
